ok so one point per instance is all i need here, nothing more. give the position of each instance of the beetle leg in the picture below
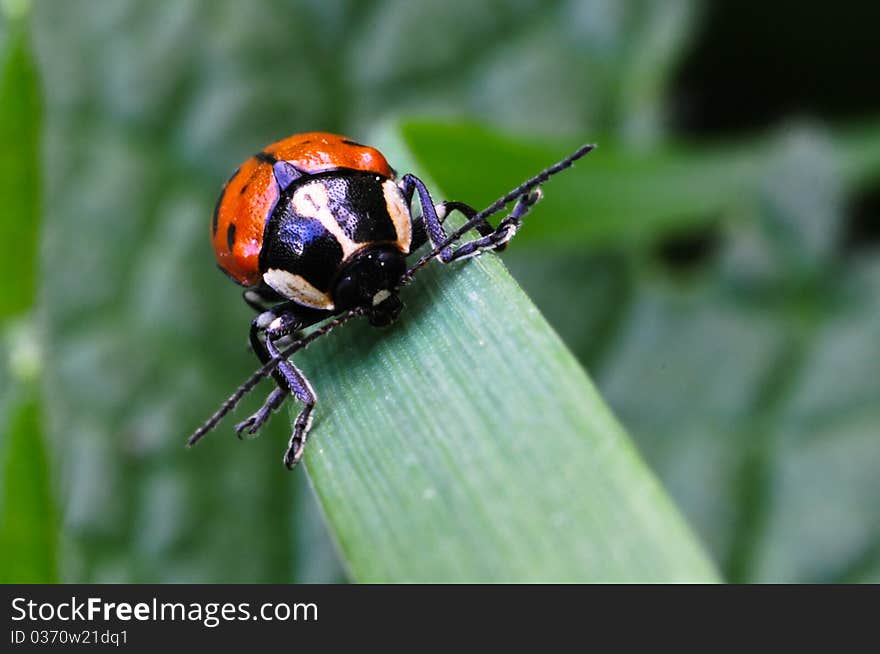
(499, 238)
(302, 389)
(409, 184)
(253, 423)
(273, 361)
(266, 328)
(259, 328)
(290, 381)
(433, 217)
(446, 207)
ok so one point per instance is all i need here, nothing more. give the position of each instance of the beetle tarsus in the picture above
(498, 239)
(489, 239)
(253, 424)
(298, 439)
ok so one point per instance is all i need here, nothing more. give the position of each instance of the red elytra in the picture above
(249, 197)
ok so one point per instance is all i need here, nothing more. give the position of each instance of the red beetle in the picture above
(318, 229)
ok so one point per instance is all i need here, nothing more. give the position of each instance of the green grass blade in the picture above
(465, 443)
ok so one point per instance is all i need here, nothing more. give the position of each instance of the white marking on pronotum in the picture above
(313, 201)
(295, 287)
(399, 213)
(380, 297)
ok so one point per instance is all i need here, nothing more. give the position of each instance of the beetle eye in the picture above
(346, 293)
(393, 266)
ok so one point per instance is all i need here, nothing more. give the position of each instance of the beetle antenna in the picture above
(500, 203)
(251, 382)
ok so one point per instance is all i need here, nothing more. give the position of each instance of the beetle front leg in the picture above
(490, 239)
(289, 379)
(443, 209)
(253, 423)
(498, 239)
(267, 327)
(260, 327)
(438, 214)
(302, 389)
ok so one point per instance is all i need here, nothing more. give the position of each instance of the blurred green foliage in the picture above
(28, 524)
(19, 173)
(747, 373)
(29, 532)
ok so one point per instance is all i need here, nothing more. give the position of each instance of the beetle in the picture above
(318, 228)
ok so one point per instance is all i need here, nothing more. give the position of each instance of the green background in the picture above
(719, 282)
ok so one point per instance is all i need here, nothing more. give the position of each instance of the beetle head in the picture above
(369, 280)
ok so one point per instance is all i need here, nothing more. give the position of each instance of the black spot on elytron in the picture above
(230, 236)
(215, 217)
(245, 186)
(350, 142)
(265, 157)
